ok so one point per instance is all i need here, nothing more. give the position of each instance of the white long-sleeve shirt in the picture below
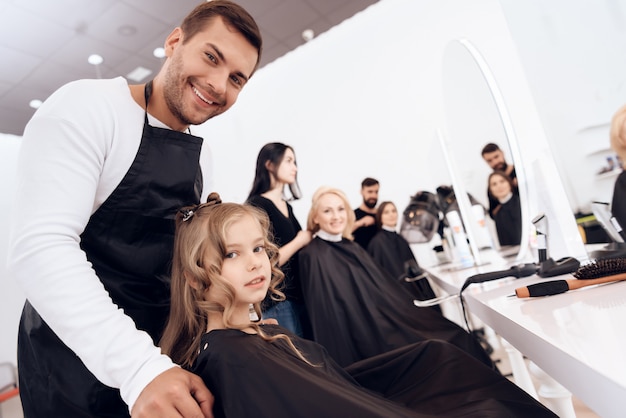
(76, 149)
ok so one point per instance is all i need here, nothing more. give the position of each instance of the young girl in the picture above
(223, 263)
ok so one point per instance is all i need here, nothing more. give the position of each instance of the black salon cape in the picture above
(508, 219)
(618, 202)
(250, 377)
(391, 252)
(358, 312)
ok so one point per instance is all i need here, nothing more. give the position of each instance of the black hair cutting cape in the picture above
(251, 377)
(358, 311)
(391, 251)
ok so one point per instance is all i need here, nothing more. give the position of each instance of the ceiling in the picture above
(45, 44)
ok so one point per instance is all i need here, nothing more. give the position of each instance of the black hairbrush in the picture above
(605, 270)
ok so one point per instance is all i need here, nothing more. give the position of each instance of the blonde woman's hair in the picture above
(313, 227)
(618, 133)
(199, 251)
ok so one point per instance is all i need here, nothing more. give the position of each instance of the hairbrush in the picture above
(600, 271)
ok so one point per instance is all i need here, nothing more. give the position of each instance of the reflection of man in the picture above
(365, 225)
(494, 157)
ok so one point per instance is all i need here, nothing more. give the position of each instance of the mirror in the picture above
(475, 114)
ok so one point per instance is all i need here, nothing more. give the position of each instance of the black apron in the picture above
(129, 241)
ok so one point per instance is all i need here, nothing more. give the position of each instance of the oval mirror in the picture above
(476, 115)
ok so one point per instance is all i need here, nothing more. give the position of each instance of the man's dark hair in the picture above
(369, 182)
(234, 16)
(490, 147)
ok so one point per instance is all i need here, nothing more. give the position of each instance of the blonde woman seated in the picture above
(224, 262)
(356, 309)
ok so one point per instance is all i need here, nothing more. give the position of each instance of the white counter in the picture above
(578, 338)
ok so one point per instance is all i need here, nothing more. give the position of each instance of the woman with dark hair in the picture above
(393, 254)
(276, 169)
(507, 214)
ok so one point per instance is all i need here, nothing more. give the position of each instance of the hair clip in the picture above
(187, 214)
(213, 199)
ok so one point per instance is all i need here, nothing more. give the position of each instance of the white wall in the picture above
(573, 53)
(363, 99)
(11, 297)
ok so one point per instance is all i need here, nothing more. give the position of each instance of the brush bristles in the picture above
(601, 268)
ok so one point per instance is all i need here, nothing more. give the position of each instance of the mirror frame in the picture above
(522, 183)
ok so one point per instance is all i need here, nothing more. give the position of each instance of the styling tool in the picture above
(547, 266)
(550, 268)
(600, 271)
(617, 246)
(541, 226)
(521, 270)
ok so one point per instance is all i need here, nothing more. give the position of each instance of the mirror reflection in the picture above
(481, 151)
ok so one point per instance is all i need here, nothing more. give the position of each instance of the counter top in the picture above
(578, 338)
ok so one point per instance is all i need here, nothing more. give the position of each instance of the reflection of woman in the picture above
(276, 168)
(393, 253)
(508, 213)
(357, 310)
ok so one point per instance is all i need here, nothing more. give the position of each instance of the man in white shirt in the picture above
(103, 168)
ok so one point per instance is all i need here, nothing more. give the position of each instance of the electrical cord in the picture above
(520, 270)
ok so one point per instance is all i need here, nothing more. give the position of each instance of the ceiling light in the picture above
(35, 103)
(308, 34)
(159, 52)
(95, 59)
(139, 74)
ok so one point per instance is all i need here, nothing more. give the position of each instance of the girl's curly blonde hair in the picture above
(199, 251)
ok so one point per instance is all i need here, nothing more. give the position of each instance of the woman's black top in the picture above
(284, 229)
(508, 219)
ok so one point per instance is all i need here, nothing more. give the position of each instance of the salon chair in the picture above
(8, 383)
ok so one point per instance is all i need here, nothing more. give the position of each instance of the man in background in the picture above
(494, 157)
(365, 225)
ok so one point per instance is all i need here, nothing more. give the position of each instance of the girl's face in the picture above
(287, 169)
(246, 265)
(499, 187)
(331, 214)
(389, 216)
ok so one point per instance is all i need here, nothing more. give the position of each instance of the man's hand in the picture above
(174, 393)
(368, 220)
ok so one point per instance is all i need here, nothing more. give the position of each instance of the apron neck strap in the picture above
(147, 92)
